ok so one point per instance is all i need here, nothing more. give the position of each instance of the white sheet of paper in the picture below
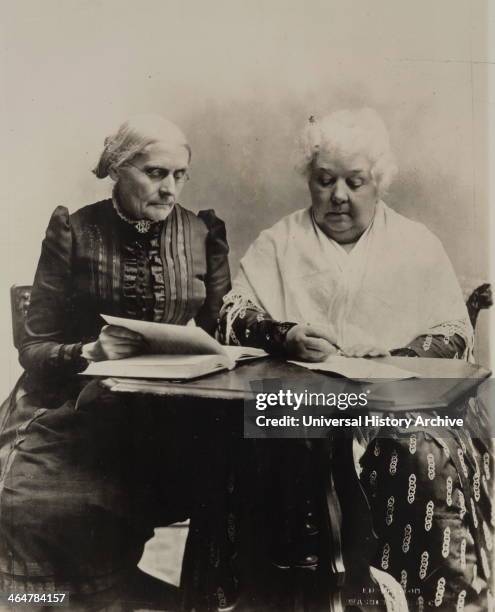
(171, 339)
(357, 368)
(163, 338)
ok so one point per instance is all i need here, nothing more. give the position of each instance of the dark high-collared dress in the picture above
(81, 490)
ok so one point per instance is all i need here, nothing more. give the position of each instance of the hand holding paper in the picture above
(114, 342)
(163, 338)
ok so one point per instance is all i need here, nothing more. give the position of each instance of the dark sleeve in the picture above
(217, 279)
(433, 346)
(253, 327)
(43, 351)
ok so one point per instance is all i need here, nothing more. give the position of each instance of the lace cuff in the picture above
(243, 323)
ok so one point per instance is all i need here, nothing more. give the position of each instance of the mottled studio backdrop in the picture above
(241, 78)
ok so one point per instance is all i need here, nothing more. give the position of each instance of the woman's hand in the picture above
(365, 350)
(114, 342)
(310, 343)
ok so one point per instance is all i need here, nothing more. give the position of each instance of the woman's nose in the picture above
(167, 185)
(339, 194)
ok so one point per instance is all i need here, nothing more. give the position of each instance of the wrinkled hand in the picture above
(114, 342)
(365, 350)
(310, 343)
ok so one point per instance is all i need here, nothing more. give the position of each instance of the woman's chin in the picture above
(341, 233)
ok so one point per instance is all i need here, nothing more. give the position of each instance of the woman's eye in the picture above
(355, 183)
(325, 181)
(156, 173)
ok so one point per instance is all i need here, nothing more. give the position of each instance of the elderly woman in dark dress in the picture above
(82, 486)
(348, 272)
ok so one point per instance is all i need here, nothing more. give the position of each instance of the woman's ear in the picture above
(113, 173)
(377, 182)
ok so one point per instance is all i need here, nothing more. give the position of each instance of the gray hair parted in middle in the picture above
(133, 136)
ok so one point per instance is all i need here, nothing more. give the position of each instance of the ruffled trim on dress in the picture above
(460, 327)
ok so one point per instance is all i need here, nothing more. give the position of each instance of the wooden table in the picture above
(235, 385)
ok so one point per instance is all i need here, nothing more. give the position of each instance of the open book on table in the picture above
(175, 352)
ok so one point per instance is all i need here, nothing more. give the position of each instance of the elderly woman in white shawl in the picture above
(350, 274)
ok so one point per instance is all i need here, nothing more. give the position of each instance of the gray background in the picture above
(241, 78)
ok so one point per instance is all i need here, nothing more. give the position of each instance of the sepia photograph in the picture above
(246, 305)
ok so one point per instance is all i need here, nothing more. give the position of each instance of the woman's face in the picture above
(344, 195)
(148, 186)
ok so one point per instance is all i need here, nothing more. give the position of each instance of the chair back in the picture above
(20, 296)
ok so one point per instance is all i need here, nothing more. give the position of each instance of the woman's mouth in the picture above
(161, 204)
(337, 215)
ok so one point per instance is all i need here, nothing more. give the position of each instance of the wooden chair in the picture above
(20, 297)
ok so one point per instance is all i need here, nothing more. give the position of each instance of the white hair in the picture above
(350, 132)
(133, 137)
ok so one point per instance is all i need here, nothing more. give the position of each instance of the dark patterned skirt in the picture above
(431, 493)
(82, 490)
